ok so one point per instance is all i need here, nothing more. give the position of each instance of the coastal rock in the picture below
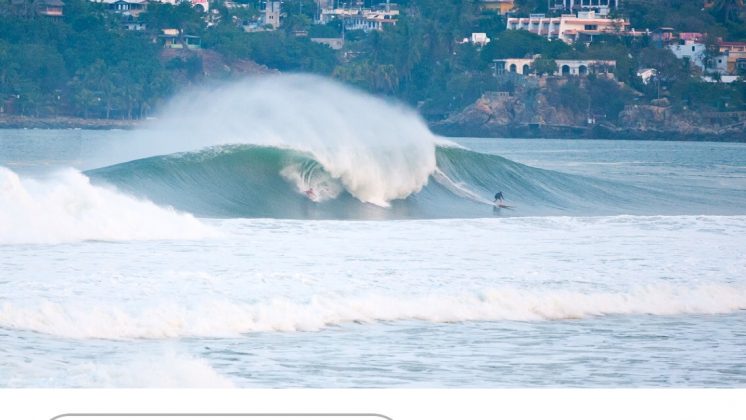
(664, 119)
(529, 113)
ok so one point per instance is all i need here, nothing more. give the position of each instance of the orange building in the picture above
(500, 6)
(736, 53)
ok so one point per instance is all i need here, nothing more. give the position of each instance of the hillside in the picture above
(89, 64)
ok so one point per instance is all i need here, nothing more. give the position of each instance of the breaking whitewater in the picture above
(191, 253)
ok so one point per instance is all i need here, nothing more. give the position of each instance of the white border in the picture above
(395, 404)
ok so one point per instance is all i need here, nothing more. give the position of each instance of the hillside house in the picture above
(525, 66)
(272, 13)
(202, 5)
(477, 38)
(695, 54)
(126, 7)
(501, 7)
(647, 75)
(50, 8)
(572, 28)
(361, 19)
(602, 7)
(735, 53)
(173, 38)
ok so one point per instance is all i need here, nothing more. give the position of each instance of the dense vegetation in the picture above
(88, 65)
(80, 65)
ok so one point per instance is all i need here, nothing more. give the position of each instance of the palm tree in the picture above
(727, 10)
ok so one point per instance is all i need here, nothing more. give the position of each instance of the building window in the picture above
(591, 27)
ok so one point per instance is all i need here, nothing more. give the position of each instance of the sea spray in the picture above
(66, 207)
(380, 151)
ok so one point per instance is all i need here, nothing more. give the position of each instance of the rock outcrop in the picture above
(500, 114)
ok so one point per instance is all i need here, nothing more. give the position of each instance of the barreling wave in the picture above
(265, 181)
(304, 147)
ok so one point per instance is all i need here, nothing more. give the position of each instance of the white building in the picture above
(695, 53)
(647, 75)
(602, 7)
(539, 24)
(361, 19)
(525, 66)
(585, 67)
(477, 38)
(272, 13)
(126, 7)
(514, 65)
(571, 28)
(135, 5)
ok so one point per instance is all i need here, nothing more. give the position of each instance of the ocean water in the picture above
(188, 254)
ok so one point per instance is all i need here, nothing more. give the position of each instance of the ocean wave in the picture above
(66, 207)
(227, 318)
(298, 146)
(266, 181)
(168, 370)
(378, 150)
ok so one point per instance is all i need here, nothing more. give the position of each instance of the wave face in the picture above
(264, 181)
(305, 147)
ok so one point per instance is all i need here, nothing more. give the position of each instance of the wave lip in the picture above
(66, 207)
(225, 318)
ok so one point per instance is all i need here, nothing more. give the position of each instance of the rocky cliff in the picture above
(531, 114)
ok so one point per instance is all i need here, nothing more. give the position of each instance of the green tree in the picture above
(94, 88)
(544, 66)
(728, 11)
(524, 44)
(606, 97)
(670, 69)
(571, 96)
(166, 16)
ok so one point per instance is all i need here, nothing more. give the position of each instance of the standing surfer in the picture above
(499, 199)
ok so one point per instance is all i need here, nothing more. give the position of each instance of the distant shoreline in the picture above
(56, 123)
(598, 132)
(446, 130)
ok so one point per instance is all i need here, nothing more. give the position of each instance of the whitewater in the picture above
(291, 232)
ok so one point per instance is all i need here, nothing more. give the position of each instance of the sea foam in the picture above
(167, 369)
(228, 318)
(66, 207)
